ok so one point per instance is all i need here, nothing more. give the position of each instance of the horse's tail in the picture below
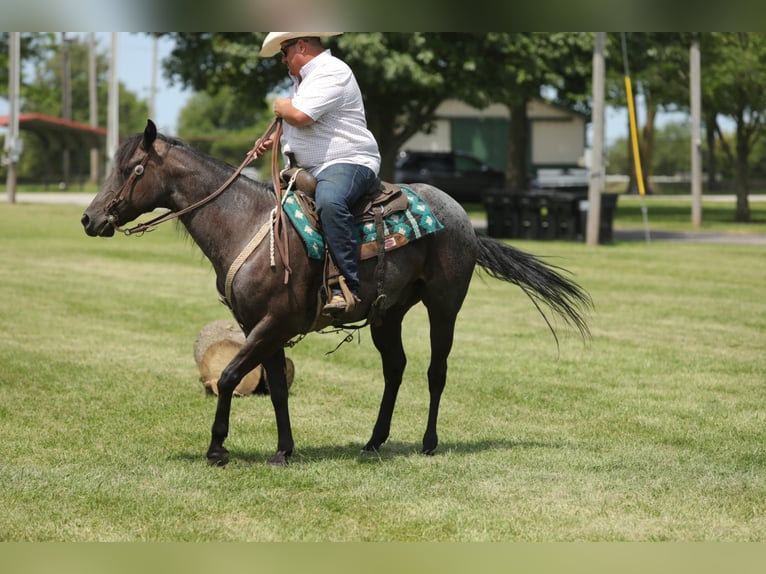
(540, 281)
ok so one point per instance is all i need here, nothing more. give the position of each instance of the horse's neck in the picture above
(222, 227)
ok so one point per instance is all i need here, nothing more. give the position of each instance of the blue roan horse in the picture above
(153, 171)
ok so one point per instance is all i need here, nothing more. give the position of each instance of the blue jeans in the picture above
(340, 186)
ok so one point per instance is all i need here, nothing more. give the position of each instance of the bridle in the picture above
(139, 170)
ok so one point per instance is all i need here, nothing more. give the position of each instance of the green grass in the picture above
(654, 430)
(668, 213)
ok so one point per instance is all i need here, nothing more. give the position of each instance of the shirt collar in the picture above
(308, 67)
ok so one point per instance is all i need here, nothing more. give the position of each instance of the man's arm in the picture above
(283, 108)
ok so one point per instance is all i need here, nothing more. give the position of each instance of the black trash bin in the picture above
(502, 213)
(606, 217)
(564, 205)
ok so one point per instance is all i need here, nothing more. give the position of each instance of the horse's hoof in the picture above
(368, 449)
(280, 459)
(218, 457)
(428, 451)
(372, 446)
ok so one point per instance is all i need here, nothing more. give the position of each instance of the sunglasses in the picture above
(287, 46)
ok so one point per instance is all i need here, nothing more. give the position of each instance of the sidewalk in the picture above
(59, 197)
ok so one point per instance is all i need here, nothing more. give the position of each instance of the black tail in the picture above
(540, 281)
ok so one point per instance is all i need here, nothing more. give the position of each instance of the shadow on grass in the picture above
(352, 452)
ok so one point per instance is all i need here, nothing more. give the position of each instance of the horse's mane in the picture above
(126, 151)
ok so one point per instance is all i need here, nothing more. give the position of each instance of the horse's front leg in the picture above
(246, 359)
(277, 378)
(217, 455)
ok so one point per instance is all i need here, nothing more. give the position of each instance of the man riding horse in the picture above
(325, 131)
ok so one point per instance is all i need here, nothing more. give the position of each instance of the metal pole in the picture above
(13, 142)
(93, 103)
(597, 152)
(112, 124)
(153, 89)
(696, 143)
(66, 105)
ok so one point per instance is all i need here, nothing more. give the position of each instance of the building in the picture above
(557, 136)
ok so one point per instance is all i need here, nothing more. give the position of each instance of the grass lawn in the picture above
(652, 431)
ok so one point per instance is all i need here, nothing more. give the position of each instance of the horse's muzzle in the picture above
(97, 227)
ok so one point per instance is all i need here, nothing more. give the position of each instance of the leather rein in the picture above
(138, 171)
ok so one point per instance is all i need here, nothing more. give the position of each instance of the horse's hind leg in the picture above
(442, 328)
(388, 340)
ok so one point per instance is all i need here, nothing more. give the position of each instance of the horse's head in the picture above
(132, 188)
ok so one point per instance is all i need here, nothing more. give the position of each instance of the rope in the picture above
(246, 252)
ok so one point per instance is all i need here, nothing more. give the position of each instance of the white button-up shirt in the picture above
(328, 93)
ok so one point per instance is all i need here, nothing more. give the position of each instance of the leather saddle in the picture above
(383, 198)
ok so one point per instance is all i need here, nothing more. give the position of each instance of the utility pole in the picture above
(596, 183)
(12, 141)
(696, 144)
(66, 104)
(153, 88)
(112, 123)
(93, 103)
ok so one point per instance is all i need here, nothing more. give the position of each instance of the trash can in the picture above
(565, 213)
(546, 214)
(502, 213)
(606, 217)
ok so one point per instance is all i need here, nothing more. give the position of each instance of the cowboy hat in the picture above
(273, 42)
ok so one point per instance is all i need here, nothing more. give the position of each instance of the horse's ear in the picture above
(150, 134)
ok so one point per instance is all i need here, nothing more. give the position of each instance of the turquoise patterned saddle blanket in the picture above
(398, 228)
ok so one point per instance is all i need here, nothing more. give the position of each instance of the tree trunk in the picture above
(647, 141)
(743, 173)
(712, 165)
(645, 150)
(386, 144)
(516, 173)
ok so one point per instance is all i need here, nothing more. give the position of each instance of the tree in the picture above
(515, 66)
(403, 76)
(658, 65)
(34, 47)
(733, 80)
(43, 94)
(221, 126)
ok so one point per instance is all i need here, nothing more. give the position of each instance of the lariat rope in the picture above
(279, 217)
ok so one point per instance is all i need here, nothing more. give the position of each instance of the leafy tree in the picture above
(33, 46)
(658, 66)
(403, 76)
(733, 80)
(220, 125)
(42, 93)
(513, 67)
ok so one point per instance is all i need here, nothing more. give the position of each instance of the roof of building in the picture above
(60, 132)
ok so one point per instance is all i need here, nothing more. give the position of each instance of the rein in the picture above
(138, 171)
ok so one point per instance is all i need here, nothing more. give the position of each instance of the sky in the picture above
(135, 53)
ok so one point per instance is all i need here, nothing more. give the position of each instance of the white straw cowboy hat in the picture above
(273, 42)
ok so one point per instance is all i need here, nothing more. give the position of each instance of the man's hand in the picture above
(264, 146)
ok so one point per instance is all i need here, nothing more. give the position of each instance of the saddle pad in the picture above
(399, 228)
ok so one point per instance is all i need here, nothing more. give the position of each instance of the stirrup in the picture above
(340, 304)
